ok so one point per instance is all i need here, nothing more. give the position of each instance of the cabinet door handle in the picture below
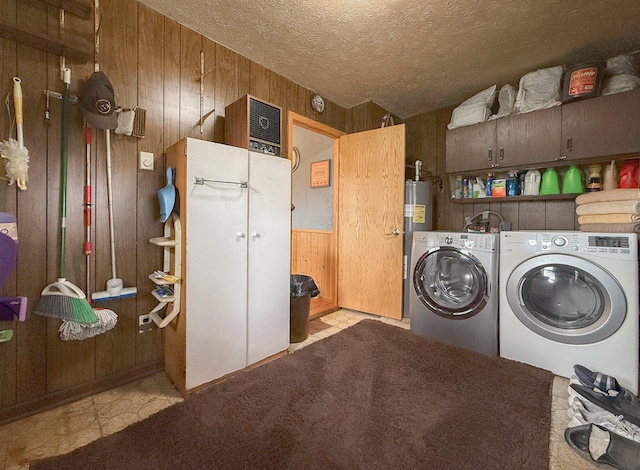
(255, 235)
(569, 144)
(240, 235)
(490, 154)
(501, 153)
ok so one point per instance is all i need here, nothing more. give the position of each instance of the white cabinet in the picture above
(234, 206)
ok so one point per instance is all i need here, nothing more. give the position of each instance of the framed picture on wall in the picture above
(320, 174)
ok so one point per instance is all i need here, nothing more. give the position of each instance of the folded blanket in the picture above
(610, 207)
(609, 195)
(611, 228)
(609, 219)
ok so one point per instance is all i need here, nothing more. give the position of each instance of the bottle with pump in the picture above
(489, 184)
(512, 183)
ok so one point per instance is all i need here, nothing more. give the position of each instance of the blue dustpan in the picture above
(167, 197)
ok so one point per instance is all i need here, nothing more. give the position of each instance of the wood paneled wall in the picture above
(426, 141)
(154, 63)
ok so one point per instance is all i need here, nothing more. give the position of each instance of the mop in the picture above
(62, 299)
(115, 289)
(107, 319)
(14, 152)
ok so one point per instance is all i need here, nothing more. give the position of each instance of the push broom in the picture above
(115, 289)
(62, 299)
(107, 319)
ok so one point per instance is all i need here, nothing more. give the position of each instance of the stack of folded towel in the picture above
(614, 210)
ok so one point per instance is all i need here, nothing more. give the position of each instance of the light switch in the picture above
(146, 161)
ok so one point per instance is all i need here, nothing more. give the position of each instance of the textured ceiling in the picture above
(411, 56)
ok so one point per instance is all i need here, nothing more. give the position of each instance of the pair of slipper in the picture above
(594, 442)
(604, 391)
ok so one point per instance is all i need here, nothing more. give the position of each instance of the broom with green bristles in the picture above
(62, 299)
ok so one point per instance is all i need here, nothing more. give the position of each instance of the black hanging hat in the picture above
(97, 102)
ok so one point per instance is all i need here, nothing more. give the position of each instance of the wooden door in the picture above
(370, 221)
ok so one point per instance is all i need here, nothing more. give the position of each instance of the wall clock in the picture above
(317, 103)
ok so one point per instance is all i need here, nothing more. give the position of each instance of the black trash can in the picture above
(302, 288)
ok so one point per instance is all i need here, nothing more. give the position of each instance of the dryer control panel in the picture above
(614, 245)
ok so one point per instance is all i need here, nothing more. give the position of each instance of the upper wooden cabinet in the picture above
(523, 139)
(598, 127)
(471, 147)
(604, 126)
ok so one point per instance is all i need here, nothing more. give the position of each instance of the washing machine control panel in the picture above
(470, 241)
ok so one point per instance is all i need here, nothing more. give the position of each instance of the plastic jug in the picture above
(610, 180)
(550, 183)
(573, 183)
(629, 175)
(532, 183)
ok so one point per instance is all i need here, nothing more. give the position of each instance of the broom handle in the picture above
(64, 155)
(17, 104)
(88, 202)
(110, 198)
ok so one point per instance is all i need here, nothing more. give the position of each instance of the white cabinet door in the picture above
(216, 276)
(269, 241)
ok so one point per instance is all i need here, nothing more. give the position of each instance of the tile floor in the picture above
(73, 425)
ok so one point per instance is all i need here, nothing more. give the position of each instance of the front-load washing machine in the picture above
(454, 294)
(571, 298)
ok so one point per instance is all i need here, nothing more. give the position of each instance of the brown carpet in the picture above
(372, 396)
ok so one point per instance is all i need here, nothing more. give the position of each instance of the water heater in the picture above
(418, 216)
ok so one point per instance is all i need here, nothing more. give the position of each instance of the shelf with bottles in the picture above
(552, 183)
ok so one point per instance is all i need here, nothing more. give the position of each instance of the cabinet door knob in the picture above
(240, 235)
(255, 235)
(561, 157)
(396, 232)
(495, 165)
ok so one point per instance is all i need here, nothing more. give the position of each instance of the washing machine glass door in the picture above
(566, 299)
(451, 282)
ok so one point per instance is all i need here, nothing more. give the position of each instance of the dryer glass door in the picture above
(451, 282)
(566, 299)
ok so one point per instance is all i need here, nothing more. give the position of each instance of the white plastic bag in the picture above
(506, 100)
(473, 110)
(539, 90)
(620, 65)
(620, 83)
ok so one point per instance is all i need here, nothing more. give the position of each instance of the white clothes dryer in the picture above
(454, 289)
(571, 298)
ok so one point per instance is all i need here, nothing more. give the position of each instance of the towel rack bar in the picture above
(197, 180)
